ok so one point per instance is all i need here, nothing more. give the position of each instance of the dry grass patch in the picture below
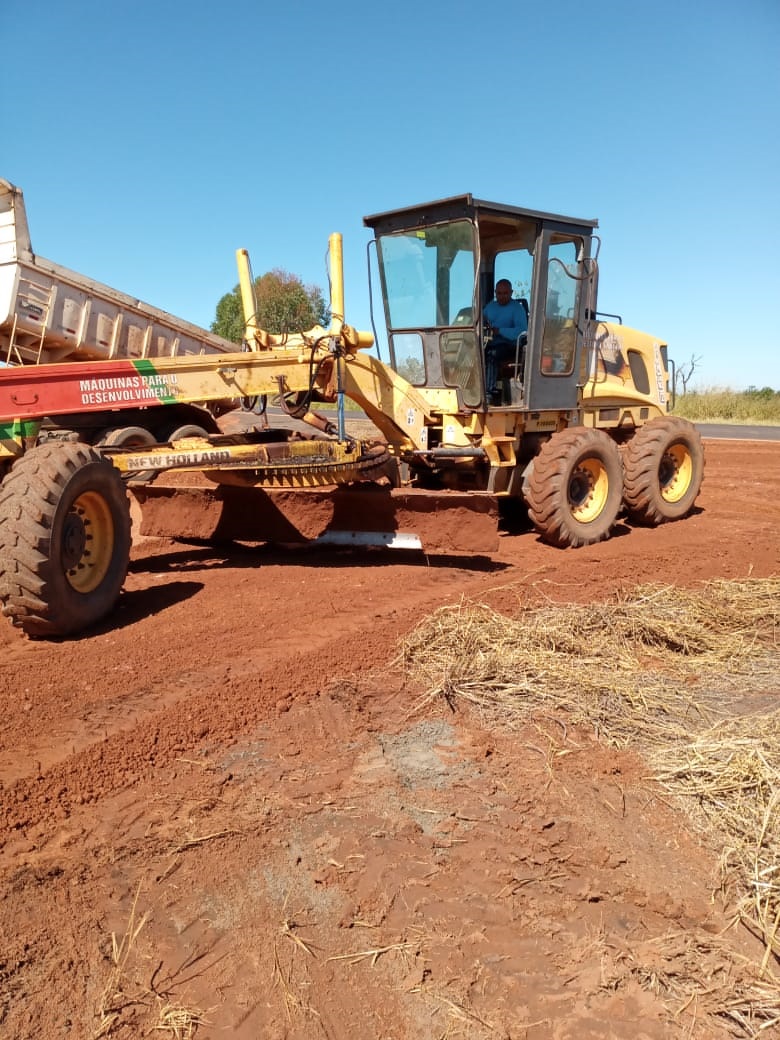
(679, 675)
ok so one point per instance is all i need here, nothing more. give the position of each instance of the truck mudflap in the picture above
(185, 506)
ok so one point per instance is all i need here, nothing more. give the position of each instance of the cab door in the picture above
(556, 322)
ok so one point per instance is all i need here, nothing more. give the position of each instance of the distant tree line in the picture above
(684, 373)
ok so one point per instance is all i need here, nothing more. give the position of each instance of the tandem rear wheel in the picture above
(664, 469)
(574, 490)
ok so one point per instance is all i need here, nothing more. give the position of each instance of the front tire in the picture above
(575, 488)
(664, 469)
(64, 539)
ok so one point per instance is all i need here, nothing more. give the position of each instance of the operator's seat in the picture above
(514, 369)
(465, 316)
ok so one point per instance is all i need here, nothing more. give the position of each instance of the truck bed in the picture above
(50, 314)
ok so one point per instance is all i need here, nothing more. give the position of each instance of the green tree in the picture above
(284, 304)
(229, 322)
(412, 370)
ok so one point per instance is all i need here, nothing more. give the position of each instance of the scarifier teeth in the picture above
(329, 464)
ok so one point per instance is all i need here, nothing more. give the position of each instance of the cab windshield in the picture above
(429, 276)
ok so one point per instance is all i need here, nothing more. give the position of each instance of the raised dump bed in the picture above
(50, 314)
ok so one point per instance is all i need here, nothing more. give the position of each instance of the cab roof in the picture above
(466, 206)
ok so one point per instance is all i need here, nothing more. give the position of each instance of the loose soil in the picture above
(227, 807)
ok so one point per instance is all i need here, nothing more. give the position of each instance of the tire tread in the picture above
(29, 496)
(547, 494)
(641, 491)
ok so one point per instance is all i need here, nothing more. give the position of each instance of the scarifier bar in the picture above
(287, 461)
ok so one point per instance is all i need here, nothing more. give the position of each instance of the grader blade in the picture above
(437, 522)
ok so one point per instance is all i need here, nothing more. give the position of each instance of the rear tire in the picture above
(575, 488)
(664, 468)
(64, 539)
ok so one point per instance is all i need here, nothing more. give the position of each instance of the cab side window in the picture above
(560, 331)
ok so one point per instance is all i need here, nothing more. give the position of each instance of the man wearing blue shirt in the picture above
(505, 319)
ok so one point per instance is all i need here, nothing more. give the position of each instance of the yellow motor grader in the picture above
(578, 433)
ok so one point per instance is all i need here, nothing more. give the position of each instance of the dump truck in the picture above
(579, 434)
(50, 314)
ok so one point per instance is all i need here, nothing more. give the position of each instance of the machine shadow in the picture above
(195, 555)
(133, 606)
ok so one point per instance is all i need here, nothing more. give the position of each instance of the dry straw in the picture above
(124, 997)
(681, 675)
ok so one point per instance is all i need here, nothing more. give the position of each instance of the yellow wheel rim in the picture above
(588, 490)
(87, 542)
(675, 472)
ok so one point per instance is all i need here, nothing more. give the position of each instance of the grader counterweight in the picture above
(579, 433)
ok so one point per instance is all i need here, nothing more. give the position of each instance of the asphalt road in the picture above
(728, 431)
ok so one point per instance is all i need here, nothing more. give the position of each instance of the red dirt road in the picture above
(231, 779)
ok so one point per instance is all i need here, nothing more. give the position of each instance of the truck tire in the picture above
(64, 539)
(130, 438)
(127, 437)
(575, 487)
(664, 468)
(179, 431)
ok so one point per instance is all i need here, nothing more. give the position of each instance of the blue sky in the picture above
(152, 140)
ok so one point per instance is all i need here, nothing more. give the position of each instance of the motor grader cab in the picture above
(580, 429)
(438, 265)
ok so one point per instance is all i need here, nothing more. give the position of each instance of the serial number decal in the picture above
(138, 389)
(660, 380)
(179, 458)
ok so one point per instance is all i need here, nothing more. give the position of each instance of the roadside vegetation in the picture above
(751, 406)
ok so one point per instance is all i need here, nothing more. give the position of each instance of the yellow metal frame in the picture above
(304, 463)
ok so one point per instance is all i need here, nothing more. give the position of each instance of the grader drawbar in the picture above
(576, 428)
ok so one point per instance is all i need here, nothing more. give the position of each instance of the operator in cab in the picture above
(505, 319)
